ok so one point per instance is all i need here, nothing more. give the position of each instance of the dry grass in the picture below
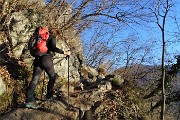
(7, 98)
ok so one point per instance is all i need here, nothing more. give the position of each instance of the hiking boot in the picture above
(31, 105)
(49, 99)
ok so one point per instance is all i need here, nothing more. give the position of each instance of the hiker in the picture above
(42, 62)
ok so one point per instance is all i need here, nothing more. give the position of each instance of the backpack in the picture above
(37, 43)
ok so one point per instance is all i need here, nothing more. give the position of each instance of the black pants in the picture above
(42, 63)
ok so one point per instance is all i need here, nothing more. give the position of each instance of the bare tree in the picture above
(161, 12)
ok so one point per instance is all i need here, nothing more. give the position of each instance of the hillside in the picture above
(126, 94)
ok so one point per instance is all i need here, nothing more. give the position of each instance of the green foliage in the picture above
(115, 82)
(6, 102)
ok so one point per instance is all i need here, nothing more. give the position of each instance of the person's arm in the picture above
(55, 49)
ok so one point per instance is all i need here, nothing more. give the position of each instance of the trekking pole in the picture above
(67, 58)
(43, 87)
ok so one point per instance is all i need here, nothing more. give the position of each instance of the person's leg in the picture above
(48, 65)
(37, 70)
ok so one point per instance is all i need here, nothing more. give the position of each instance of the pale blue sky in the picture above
(154, 33)
(144, 36)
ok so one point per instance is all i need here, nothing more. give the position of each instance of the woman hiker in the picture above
(44, 62)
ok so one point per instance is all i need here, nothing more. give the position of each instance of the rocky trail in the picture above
(81, 106)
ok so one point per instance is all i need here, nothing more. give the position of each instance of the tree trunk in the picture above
(163, 78)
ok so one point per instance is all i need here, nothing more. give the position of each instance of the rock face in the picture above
(21, 30)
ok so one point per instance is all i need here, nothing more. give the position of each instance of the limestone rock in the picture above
(20, 31)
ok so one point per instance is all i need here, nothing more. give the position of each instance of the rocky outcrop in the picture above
(21, 29)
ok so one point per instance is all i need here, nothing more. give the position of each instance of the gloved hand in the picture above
(67, 52)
